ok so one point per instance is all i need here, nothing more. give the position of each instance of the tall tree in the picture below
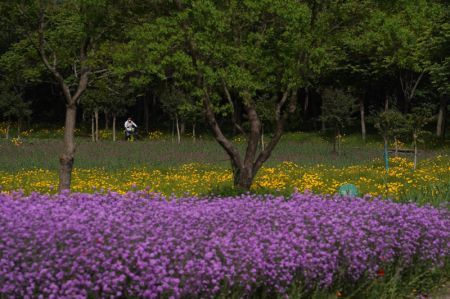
(439, 68)
(245, 52)
(389, 124)
(337, 109)
(415, 123)
(389, 49)
(64, 34)
(12, 108)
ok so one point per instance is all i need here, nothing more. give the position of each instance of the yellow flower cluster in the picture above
(155, 135)
(238, 139)
(369, 179)
(192, 179)
(26, 133)
(59, 131)
(197, 179)
(105, 134)
(16, 141)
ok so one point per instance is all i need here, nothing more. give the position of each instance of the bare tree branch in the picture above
(41, 50)
(281, 104)
(279, 129)
(253, 137)
(84, 71)
(409, 86)
(233, 115)
(416, 84)
(75, 71)
(223, 141)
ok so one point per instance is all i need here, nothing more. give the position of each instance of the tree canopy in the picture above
(234, 67)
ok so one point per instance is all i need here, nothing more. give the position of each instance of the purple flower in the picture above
(99, 245)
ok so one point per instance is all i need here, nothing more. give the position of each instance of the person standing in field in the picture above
(129, 128)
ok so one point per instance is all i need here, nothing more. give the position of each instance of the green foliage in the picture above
(67, 26)
(417, 120)
(177, 103)
(256, 49)
(337, 113)
(389, 123)
(20, 66)
(392, 43)
(12, 105)
(439, 63)
(337, 108)
(109, 95)
(436, 195)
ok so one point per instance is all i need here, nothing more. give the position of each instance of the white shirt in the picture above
(129, 124)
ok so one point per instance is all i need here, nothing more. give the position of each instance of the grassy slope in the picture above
(301, 148)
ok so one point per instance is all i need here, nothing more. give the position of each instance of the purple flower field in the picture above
(142, 245)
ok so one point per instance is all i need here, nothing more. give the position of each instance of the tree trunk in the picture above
(114, 126)
(441, 117)
(93, 127)
(406, 105)
(262, 138)
(182, 127)
(8, 127)
(386, 103)
(244, 179)
(18, 128)
(106, 120)
(245, 171)
(409, 86)
(193, 131)
(306, 103)
(363, 118)
(67, 158)
(248, 171)
(96, 124)
(173, 130)
(178, 129)
(234, 113)
(230, 149)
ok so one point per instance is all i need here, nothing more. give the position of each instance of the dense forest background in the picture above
(380, 54)
(254, 68)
